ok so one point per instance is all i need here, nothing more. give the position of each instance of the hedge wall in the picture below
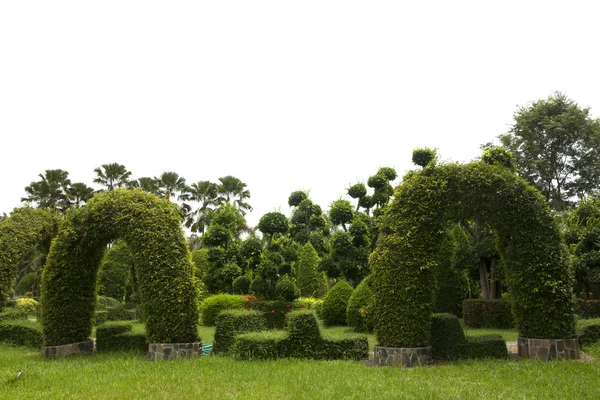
(410, 232)
(21, 333)
(152, 229)
(213, 305)
(487, 313)
(274, 311)
(234, 322)
(588, 331)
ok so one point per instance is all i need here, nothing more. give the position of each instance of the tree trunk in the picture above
(483, 280)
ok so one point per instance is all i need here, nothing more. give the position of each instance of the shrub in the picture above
(213, 305)
(115, 311)
(336, 303)
(274, 311)
(286, 290)
(488, 313)
(241, 285)
(308, 303)
(356, 317)
(115, 271)
(486, 346)
(12, 314)
(117, 336)
(257, 345)
(234, 322)
(100, 317)
(21, 333)
(307, 274)
(27, 306)
(259, 287)
(588, 331)
(590, 308)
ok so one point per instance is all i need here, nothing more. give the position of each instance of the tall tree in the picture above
(79, 193)
(556, 144)
(170, 184)
(231, 190)
(145, 183)
(50, 191)
(112, 176)
(205, 193)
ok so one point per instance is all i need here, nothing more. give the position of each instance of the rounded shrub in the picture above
(285, 289)
(336, 303)
(356, 314)
(21, 333)
(259, 287)
(213, 305)
(241, 285)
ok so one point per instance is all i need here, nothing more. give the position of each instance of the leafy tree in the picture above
(498, 155)
(231, 190)
(272, 223)
(358, 191)
(205, 193)
(79, 193)
(170, 184)
(423, 156)
(296, 198)
(50, 191)
(341, 213)
(307, 274)
(556, 144)
(112, 176)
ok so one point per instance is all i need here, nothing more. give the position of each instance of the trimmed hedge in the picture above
(588, 331)
(357, 315)
(411, 231)
(488, 313)
(12, 314)
(274, 311)
(308, 303)
(303, 340)
(336, 303)
(590, 308)
(21, 333)
(213, 305)
(152, 229)
(234, 322)
(117, 336)
(448, 341)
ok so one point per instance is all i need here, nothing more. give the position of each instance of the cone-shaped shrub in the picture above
(336, 303)
(357, 313)
(307, 274)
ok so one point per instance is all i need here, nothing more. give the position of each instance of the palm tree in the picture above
(205, 193)
(112, 176)
(50, 191)
(169, 184)
(79, 193)
(232, 190)
(145, 183)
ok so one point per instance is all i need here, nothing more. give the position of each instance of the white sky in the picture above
(284, 95)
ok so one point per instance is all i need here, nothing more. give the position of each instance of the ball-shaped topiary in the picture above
(285, 289)
(357, 311)
(241, 284)
(152, 229)
(335, 304)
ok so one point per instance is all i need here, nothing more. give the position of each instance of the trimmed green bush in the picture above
(213, 305)
(303, 340)
(286, 290)
(336, 303)
(588, 331)
(274, 311)
(356, 314)
(241, 285)
(488, 313)
(448, 341)
(117, 336)
(411, 231)
(12, 314)
(307, 273)
(152, 229)
(308, 303)
(100, 317)
(234, 322)
(21, 333)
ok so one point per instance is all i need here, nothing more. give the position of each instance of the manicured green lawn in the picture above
(124, 375)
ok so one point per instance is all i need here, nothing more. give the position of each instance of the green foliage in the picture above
(588, 331)
(303, 340)
(488, 313)
(274, 311)
(340, 213)
(21, 333)
(115, 311)
(336, 303)
(200, 260)
(390, 174)
(259, 288)
(357, 314)
(25, 228)
(151, 227)
(486, 346)
(411, 231)
(307, 274)
(115, 271)
(241, 285)
(27, 306)
(296, 198)
(498, 155)
(26, 283)
(235, 322)
(213, 305)
(590, 308)
(112, 176)
(357, 191)
(51, 191)
(12, 314)
(272, 223)
(117, 336)
(308, 303)
(286, 289)
(424, 156)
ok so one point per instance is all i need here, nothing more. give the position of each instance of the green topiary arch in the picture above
(24, 229)
(537, 274)
(152, 228)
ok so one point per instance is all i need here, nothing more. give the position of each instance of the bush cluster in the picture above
(357, 313)
(235, 322)
(21, 333)
(117, 336)
(488, 313)
(590, 308)
(336, 303)
(274, 311)
(12, 314)
(448, 341)
(588, 331)
(213, 305)
(302, 340)
(27, 305)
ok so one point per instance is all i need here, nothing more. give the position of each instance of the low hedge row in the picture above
(117, 336)
(590, 308)
(12, 314)
(234, 322)
(488, 313)
(302, 340)
(213, 305)
(588, 331)
(308, 303)
(274, 311)
(21, 333)
(448, 341)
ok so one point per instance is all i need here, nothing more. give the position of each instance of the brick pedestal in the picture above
(171, 351)
(402, 356)
(548, 349)
(67, 350)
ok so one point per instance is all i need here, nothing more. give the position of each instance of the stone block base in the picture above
(171, 351)
(67, 350)
(548, 349)
(403, 356)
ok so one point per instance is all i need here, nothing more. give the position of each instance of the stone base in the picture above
(403, 356)
(548, 349)
(171, 351)
(67, 350)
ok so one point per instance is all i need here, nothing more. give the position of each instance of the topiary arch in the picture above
(537, 275)
(152, 228)
(24, 229)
